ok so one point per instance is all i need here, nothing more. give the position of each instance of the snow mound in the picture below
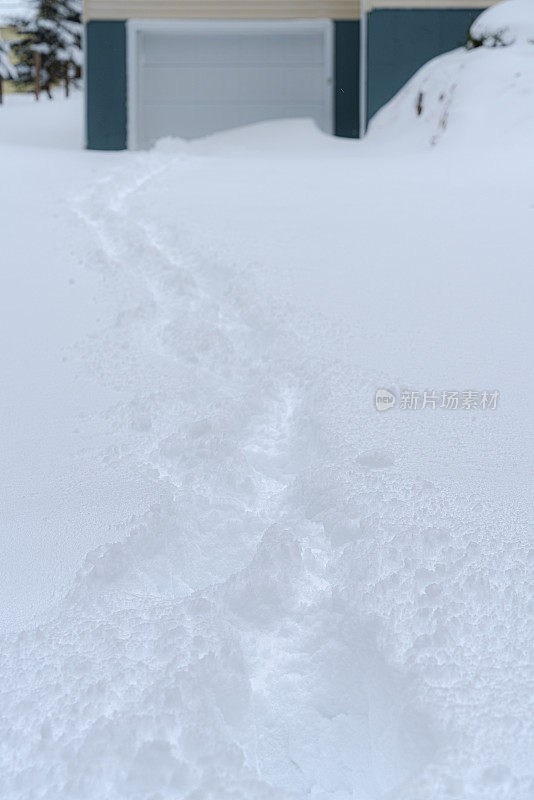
(504, 24)
(470, 98)
(289, 138)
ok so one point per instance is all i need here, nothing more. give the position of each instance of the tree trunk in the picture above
(37, 63)
(1, 90)
(67, 87)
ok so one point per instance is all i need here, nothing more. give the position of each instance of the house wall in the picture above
(347, 78)
(105, 85)
(400, 41)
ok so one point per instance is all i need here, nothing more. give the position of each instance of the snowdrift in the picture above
(471, 97)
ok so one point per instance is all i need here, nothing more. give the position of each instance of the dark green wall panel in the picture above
(347, 78)
(106, 85)
(402, 40)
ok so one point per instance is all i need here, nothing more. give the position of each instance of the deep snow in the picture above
(292, 595)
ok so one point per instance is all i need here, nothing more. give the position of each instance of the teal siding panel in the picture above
(347, 78)
(106, 87)
(402, 40)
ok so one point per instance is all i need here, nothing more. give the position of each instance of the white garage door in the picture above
(193, 78)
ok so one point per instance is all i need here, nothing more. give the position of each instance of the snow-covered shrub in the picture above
(504, 24)
(494, 39)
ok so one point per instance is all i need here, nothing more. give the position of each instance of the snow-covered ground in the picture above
(225, 574)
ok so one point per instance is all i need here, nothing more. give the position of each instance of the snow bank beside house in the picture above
(475, 98)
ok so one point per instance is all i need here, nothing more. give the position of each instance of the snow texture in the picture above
(506, 23)
(287, 594)
(13, 9)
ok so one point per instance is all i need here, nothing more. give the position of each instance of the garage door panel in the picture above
(190, 119)
(232, 48)
(254, 85)
(195, 78)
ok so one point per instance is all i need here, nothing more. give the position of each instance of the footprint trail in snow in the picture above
(292, 616)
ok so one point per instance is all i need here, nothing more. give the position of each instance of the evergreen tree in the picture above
(55, 32)
(7, 70)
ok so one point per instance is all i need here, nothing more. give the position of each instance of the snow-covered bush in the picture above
(55, 32)
(504, 24)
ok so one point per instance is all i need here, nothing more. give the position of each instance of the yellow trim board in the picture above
(255, 9)
(422, 4)
(221, 9)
